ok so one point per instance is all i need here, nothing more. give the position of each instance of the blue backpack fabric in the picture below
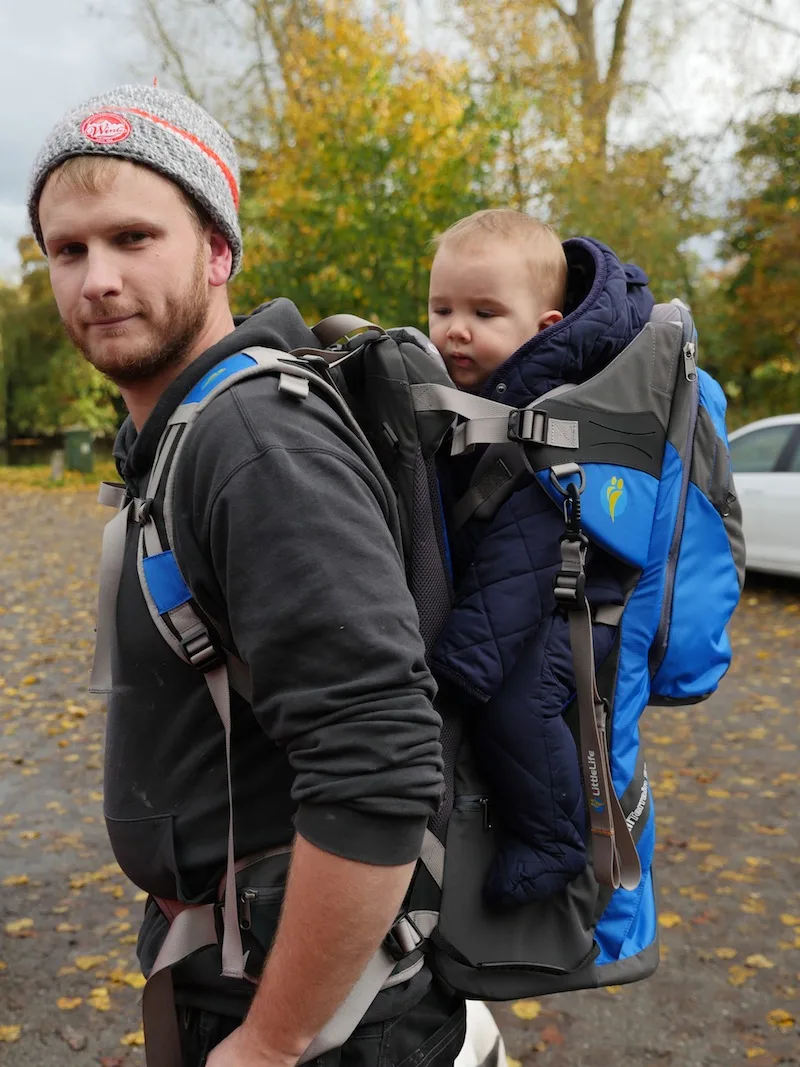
(504, 645)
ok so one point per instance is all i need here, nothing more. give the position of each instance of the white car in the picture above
(766, 469)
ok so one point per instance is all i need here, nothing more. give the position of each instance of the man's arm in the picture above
(335, 915)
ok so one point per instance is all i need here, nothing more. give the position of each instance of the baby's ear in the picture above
(549, 318)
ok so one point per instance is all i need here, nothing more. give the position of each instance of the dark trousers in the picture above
(428, 1035)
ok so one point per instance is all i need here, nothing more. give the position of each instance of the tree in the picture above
(759, 291)
(357, 150)
(47, 385)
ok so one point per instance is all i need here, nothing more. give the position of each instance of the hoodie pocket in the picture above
(145, 850)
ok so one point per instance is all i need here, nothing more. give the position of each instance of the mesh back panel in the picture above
(427, 571)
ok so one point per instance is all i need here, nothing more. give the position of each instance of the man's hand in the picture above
(243, 1049)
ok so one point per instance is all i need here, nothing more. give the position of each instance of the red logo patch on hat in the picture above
(106, 127)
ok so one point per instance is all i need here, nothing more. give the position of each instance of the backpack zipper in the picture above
(475, 803)
(248, 897)
(658, 649)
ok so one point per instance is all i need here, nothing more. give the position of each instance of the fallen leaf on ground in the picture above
(136, 1039)
(16, 879)
(527, 1009)
(68, 1003)
(20, 928)
(781, 1020)
(552, 1035)
(725, 953)
(738, 975)
(10, 1033)
(759, 961)
(86, 963)
(99, 999)
(668, 919)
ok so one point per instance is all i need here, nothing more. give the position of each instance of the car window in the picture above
(759, 450)
(794, 459)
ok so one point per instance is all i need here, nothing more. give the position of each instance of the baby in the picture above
(498, 278)
(516, 314)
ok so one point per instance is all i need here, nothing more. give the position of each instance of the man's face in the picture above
(482, 307)
(128, 269)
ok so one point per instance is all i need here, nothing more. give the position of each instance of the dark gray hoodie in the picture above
(285, 536)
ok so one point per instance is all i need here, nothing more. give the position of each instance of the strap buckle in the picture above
(527, 426)
(200, 650)
(569, 583)
(403, 938)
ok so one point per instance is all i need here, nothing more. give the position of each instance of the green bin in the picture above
(79, 450)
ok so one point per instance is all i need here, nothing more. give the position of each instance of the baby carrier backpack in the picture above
(637, 459)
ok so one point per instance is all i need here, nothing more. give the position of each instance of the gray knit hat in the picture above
(160, 129)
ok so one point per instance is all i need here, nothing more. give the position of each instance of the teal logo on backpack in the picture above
(614, 497)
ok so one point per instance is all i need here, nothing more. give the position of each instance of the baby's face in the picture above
(481, 308)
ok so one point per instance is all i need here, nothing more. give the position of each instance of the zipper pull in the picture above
(689, 361)
(487, 821)
(246, 897)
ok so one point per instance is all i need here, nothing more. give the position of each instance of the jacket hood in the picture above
(607, 304)
(277, 324)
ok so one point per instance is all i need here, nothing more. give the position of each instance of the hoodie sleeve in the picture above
(306, 573)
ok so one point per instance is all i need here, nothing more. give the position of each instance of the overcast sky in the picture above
(58, 52)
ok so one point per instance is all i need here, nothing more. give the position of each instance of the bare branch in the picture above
(618, 51)
(566, 18)
(169, 49)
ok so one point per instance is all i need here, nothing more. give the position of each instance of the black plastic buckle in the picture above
(527, 426)
(200, 650)
(404, 938)
(569, 584)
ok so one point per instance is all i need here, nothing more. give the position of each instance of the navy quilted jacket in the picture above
(505, 645)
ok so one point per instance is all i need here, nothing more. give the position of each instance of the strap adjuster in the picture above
(569, 583)
(143, 511)
(200, 650)
(404, 938)
(527, 426)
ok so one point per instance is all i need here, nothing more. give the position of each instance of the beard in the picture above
(172, 332)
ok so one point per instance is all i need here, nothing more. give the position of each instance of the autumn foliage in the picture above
(360, 143)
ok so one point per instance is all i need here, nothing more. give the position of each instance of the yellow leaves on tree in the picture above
(376, 149)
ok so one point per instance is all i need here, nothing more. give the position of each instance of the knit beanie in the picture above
(159, 129)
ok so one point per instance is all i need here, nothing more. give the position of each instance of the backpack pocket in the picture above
(707, 580)
(490, 953)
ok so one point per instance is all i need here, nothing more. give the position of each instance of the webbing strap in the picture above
(112, 556)
(429, 396)
(112, 494)
(232, 958)
(194, 929)
(191, 930)
(375, 976)
(432, 857)
(615, 859)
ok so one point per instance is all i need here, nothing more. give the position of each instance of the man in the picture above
(282, 533)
